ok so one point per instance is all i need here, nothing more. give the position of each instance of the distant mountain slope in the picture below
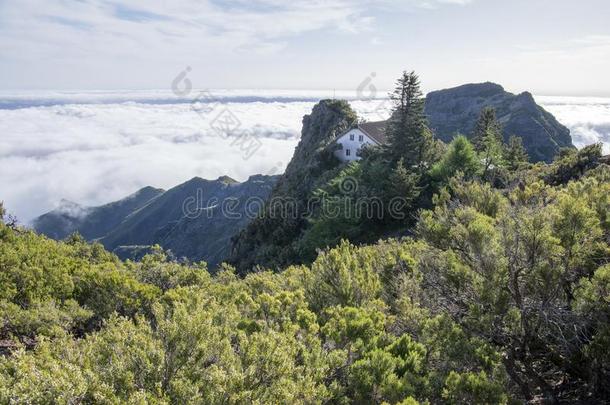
(92, 222)
(456, 110)
(189, 219)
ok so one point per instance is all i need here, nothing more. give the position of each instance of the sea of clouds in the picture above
(97, 147)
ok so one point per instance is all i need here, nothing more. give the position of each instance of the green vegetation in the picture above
(493, 290)
(387, 186)
(460, 157)
(501, 295)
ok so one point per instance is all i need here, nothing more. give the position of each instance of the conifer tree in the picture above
(487, 126)
(487, 140)
(460, 157)
(403, 182)
(515, 154)
(408, 135)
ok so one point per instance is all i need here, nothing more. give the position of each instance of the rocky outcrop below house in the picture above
(271, 241)
(456, 110)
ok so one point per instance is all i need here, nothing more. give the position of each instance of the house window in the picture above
(360, 138)
(351, 137)
(348, 152)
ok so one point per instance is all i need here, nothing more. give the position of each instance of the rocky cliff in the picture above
(456, 110)
(269, 241)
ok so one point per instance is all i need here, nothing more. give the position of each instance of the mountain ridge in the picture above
(91, 222)
(150, 216)
(455, 110)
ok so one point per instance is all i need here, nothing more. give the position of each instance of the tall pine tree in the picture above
(408, 135)
(488, 141)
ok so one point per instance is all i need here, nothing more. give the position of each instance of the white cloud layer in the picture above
(587, 117)
(97, 147)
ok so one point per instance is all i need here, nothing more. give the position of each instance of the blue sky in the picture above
(554, 47)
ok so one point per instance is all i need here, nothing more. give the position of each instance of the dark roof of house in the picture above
(375, 130)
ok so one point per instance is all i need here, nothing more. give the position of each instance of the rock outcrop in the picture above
(269, 241)
(456, 110)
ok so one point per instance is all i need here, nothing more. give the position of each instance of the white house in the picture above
(371, 133)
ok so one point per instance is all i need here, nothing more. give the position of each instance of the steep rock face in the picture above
(195, 219)
(328, 119)
(456, 110)
(92, 222)
(269, 241)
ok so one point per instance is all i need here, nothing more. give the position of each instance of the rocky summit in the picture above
(455, 110)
